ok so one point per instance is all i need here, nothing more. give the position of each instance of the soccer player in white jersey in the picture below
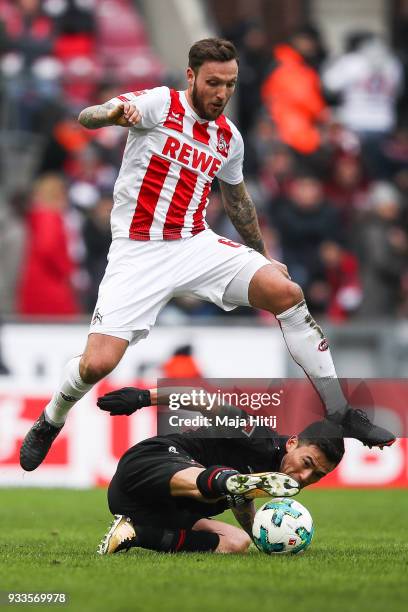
(178, 142)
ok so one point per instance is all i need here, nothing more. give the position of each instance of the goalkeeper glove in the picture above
(124, 401)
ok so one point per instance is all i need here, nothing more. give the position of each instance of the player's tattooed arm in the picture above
(195, 400)
(101, 115)
(245, 514)
(241, 210)
(129, 399)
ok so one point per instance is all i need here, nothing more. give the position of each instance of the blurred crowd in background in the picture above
(326, 158)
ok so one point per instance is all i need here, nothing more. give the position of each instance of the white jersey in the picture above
(369, 87)
(170, 161)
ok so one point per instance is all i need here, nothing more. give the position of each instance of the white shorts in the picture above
(141, 277)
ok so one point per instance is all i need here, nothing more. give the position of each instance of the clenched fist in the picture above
(124, 114)
(124, 401)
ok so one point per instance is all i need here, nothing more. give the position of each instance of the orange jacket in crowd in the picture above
(293, 98)
(181, 366)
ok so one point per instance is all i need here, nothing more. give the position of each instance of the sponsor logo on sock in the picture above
(68, 398)
(324, 345)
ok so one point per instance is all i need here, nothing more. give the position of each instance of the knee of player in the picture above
(293, 293)
(284, 295)
(93, 369)
(238, 542)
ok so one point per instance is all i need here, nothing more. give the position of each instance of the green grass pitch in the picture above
(358, 559)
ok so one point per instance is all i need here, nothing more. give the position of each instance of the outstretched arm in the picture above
(245, 514)
(241, 210)
(129, 399)
(101, 115)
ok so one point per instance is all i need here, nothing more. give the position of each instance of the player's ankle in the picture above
(212, 482)
(50, 418)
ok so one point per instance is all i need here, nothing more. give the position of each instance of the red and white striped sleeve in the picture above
(152, 103)
(231, 171)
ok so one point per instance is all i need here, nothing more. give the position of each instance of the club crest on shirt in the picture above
(222, 145)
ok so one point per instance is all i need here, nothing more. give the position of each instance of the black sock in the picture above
(211, 482)
(175, 540)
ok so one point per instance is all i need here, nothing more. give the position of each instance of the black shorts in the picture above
(140, 488)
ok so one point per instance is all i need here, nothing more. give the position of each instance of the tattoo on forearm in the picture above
(245, 516)
(96, 116)
(241, 210)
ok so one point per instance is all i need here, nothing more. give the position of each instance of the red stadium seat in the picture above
(123, 47)
(119, 24)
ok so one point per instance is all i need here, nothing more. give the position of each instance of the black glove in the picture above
(124, 401)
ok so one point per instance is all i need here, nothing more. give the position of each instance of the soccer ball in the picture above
(282, 526)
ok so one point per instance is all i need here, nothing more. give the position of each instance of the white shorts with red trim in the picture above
(141, 277)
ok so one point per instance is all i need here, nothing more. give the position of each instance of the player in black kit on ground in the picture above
(166, 488)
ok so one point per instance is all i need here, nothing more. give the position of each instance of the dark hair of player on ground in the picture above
(326, 436)
(211, 50)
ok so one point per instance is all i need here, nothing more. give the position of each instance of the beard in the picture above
(200, 108)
